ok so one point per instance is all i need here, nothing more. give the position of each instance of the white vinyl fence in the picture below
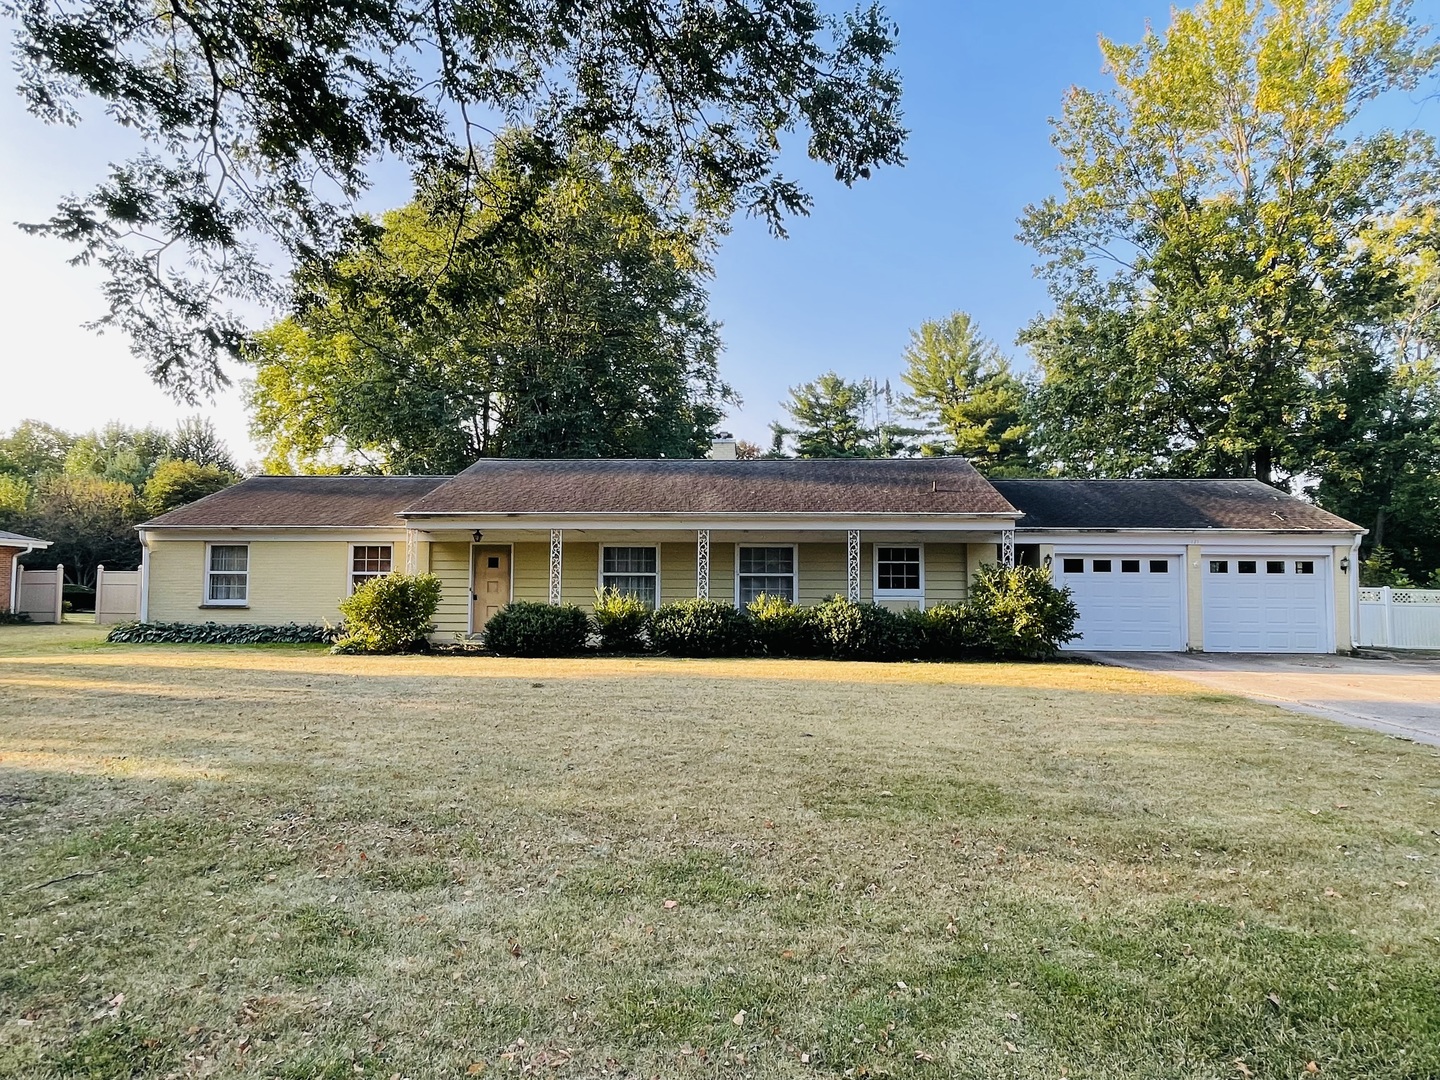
(42, 594)
(1400, 618)
(117, 595)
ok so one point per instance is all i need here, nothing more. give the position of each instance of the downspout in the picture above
(144, 576)
(15, 577)
(1355, 595)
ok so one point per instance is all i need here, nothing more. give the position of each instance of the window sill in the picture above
(224, 607)
(879, 595)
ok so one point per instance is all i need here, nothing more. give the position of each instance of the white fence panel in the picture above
(117, 595)
(1400, 618)
(42, 594)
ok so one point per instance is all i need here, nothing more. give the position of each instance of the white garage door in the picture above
(1259, 604)
(1126, 601)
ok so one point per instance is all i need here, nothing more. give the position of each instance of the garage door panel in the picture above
(1276, 605)
(1127, 602)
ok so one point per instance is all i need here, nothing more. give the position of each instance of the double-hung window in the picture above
(897, 572)
(634, 571)
(369, 561)
(768, 570)
(227, 575)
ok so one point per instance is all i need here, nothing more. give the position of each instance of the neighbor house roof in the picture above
(17, 540)
(1163, 504)
(679, 486)
(302, 501)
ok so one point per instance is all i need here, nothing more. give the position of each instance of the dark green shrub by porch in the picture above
(620, 620)
(853, 631)
(946, 632)
(389, 614)
(783, 629)
(1019, 614)
(702, 628)
(529, 629)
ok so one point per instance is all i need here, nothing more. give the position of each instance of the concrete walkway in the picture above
(1395, 696)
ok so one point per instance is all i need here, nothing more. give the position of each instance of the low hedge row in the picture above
(1012, 614)
(177, 633)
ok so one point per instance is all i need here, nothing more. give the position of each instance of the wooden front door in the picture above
(492, 584)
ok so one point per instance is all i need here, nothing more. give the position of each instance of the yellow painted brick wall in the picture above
(946, 575)
(677, 571)
(290, 581)
(450, 562)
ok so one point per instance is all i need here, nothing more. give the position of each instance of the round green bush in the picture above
(947, 632)
(783, 629)
(389, 614)
(620, 620)
(853, 631)
(524, 628)
(1019, 614)
(702, 628)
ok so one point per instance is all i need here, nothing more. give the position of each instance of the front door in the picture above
(492, 584)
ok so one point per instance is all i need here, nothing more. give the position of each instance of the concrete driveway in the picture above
(1396, 696)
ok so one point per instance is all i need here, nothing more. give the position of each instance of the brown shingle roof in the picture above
(1163, 504)
(838, 486)
(299, 501)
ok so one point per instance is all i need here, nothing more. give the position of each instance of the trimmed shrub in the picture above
(175, 633)
(524, 628)
(782, 629)
(946, 632)
(389, 614)
(620, 620)
(1019, 614)
(852, 631)
(702, 628)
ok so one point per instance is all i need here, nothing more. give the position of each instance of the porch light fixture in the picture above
(1345, 564)
(477, 536)
(1049, 561)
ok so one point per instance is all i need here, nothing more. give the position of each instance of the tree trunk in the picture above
(1264, 463)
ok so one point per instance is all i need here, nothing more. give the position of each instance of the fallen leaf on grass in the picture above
(1403, 884)
(1242, 1068)
(1334, 894)
(476, 1068)
(670, 905)
(1311, 1067)
(738, 1019)
(1273, 998)
(1010, 1047)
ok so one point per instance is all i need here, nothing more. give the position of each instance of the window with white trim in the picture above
(369, 561)
(897, 571)
(227, 575)
(634, 571)
(767, 570)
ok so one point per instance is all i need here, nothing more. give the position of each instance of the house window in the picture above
(634, 571)
(1305, 567)
(1159, 566)
(1129, 566)
(768, 570)
(1219, 566)
(1074, 566)
(1101, 566)
(897, 570)
(227, 574)
(368, 561)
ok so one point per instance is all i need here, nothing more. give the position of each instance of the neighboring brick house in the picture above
(12, 546)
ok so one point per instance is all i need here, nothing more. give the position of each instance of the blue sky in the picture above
(843, 292)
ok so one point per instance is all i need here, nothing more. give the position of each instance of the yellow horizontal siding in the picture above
(677, 571)
(299, 581)
(450, 562)
(976, 556)
(946, 577)
(531, 571)
(579, 573)
(822, 572)
(722, 571)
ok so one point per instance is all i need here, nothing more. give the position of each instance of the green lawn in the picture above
(274, 862)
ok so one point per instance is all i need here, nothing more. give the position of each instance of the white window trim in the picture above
(794, 562)
(350, 563)
(878, 593)
(600, 565)
(205, 601)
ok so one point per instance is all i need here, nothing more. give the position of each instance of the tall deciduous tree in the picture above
(566, 319)
(261, 122)
(1221, 297)
(89, 521)
(964, 390)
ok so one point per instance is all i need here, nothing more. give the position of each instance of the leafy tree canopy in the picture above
(261, 121)
(565, 318)
(964, 390)
(833, 417)
(176, 482)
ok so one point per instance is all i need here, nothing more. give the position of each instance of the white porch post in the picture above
(852, 569)
(412, 553)
(1007, 548)
(555, 566)
(702, 564)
